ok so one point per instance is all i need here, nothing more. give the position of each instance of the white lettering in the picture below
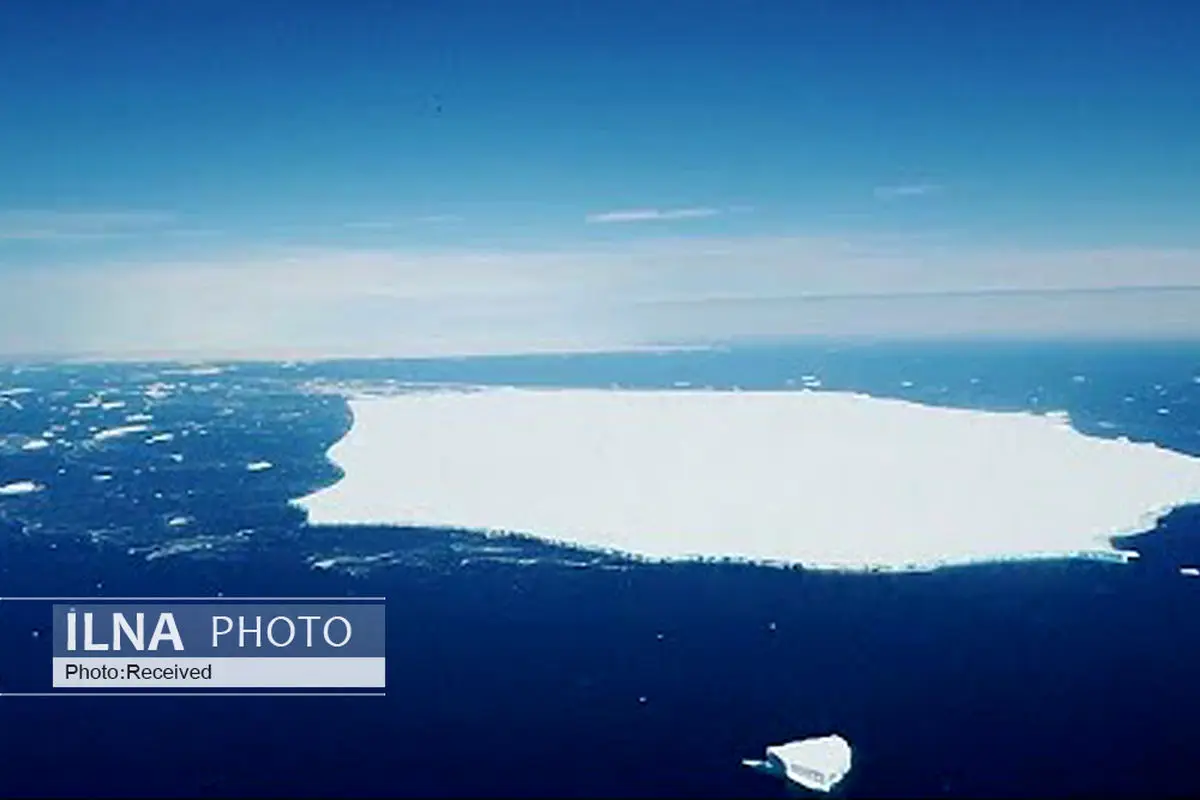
(325, 632)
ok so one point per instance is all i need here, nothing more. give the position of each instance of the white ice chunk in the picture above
(826, 479)
(35, 444)
(111, 405)
(196, 370)
(259, 466)
(1191, 572)
(114, 433)
(819, 763)
(160, 437)
(20, 487)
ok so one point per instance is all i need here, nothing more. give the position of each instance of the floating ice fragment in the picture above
(20, 487)
(819, 763)
(197, 370)
(122, 430)
(35, 444)
(259, 466)
(159, 391)
(1191, 572)
(160, 437)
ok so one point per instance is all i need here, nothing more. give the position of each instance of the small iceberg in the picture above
(20, 487)
(115, 433)
(259, 466)
(819, 763)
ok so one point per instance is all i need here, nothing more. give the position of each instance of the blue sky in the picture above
(827, 148)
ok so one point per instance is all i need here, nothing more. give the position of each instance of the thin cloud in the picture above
(907, 190)
(46, 225)
(653, 214)
(370, 225)
(392, 224)
(322, 302)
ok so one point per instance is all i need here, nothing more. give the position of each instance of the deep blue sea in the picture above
(517, 669)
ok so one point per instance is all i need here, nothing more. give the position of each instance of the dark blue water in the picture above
(537, 671)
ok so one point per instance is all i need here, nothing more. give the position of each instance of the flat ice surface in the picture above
(20, 487)
(825, 479)
(259, 466)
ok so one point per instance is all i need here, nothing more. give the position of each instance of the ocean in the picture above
(521, 669)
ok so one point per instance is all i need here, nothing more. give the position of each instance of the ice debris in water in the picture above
(819, 763)
(20, 487)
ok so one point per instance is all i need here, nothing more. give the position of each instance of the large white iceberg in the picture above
(825, 479)
(819, 763)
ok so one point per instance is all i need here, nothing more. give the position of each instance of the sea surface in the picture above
(519, 669)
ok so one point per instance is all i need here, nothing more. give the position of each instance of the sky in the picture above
(205, 178)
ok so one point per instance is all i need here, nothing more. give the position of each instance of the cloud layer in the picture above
(325, 301)
(653, 214)
(902, 191)
(51, 225)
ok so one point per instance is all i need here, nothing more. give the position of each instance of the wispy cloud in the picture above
(653, 214)
(392, 224)
(356, 301)
(45, 225)
(906, 190)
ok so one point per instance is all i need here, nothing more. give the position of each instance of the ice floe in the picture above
(19, 487)
(819, 763)
(118, 432)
